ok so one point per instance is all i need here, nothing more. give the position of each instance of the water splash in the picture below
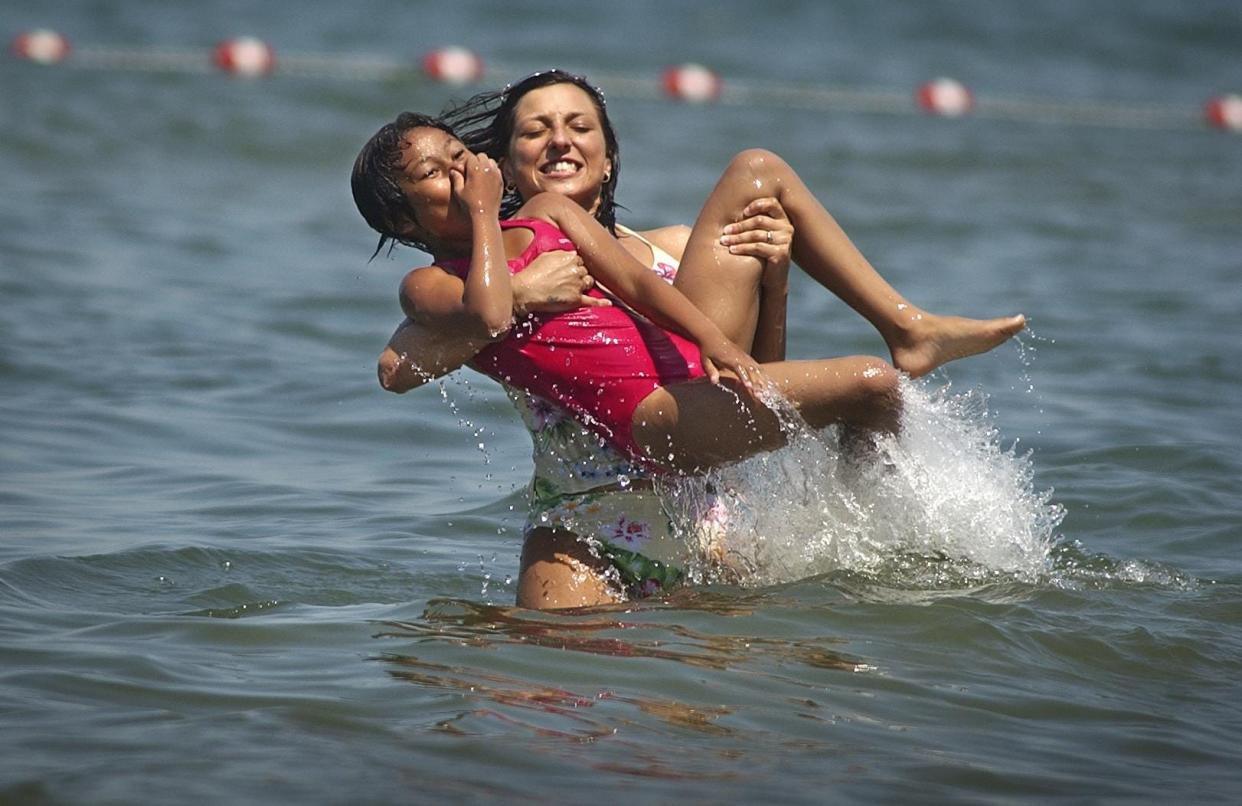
(943, 489)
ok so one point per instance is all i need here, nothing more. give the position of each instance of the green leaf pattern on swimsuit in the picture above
(572, 464)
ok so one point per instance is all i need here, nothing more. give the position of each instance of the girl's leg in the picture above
(558, 570)
(724, 286)
(695, 425)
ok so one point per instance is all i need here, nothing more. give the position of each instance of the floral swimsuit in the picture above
(584, 485)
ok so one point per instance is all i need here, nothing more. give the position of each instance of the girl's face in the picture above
(428, 156)
(558, 145)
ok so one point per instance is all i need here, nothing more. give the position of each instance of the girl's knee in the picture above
(878, 378)
(879, 388)
(756, 161)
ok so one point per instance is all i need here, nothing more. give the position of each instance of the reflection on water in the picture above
(508, 702)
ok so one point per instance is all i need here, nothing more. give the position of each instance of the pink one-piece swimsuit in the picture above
(597, 362)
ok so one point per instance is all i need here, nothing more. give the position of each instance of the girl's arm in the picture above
(624, 276)
(481, 306)
(749, 235)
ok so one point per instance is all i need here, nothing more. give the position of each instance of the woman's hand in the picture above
(554, 282)
(724, 354)
(477, 187)
(763, 232)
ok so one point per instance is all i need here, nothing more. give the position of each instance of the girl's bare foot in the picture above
(930, 341)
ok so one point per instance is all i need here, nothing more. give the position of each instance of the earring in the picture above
(607, 177)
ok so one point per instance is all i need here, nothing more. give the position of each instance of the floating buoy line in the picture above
(688, 83)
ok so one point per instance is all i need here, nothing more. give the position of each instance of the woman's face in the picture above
(558, 145)
(428, 156)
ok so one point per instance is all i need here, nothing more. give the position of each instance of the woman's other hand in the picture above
(554, 282)
(763, 232)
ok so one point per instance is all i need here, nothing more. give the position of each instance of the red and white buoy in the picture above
(945, 97)
(41, 46)
(693, 83)
(453, 65)
(245, 56)
(1225, 112)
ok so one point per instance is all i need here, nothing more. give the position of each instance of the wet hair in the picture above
(376, 181)
(485, 124)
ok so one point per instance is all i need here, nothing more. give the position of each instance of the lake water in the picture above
(232, 569)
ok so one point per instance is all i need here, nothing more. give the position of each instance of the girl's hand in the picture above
(763, 232)
(477, 187)
(724, 354)
(554, 282)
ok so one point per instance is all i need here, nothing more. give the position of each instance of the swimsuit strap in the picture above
(547, 238)
(658, 255)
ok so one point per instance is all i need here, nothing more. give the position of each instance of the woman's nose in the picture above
(560, 136)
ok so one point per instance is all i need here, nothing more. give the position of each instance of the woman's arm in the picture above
(750, 236)
(418, 352)
(765, 232)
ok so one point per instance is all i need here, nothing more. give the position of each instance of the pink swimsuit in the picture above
(599, 363)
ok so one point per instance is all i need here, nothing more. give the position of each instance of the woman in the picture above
(571, 157)
(581, 487)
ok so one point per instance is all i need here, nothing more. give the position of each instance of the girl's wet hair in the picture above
(485, 124)
(376, 181)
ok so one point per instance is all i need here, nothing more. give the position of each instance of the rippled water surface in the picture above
(232, 569)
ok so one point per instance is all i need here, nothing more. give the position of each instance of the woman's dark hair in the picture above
(376, 181)
(485, 124)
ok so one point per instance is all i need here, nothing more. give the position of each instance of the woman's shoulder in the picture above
(671, 239)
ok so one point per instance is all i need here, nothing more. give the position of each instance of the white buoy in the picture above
(693, 83)
(1225, 112)
(245, 56)
(945, 97)
(41, 46)
(453, 65)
